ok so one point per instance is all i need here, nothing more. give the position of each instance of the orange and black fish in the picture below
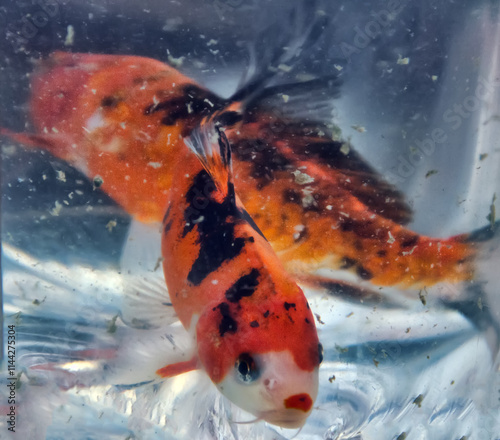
(255, 333)
(319, 204)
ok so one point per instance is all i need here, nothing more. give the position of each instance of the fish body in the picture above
(318, 203)
(255, 334)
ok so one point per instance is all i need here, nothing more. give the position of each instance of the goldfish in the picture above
(321, 206)
(254, 331)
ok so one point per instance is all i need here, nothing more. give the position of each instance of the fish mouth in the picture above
(286, 418)
(302, 402)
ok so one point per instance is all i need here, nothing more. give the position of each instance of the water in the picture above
(425, 76)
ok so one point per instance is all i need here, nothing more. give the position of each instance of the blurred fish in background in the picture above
(420, 81)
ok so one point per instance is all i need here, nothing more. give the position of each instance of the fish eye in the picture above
(246, 368)
(320, 352)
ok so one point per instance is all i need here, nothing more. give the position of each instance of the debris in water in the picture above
(418, 400)
(97, 182)
(491, 217)
(70, 36)
(111, 225)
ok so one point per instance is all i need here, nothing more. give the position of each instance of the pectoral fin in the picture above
(179, 368)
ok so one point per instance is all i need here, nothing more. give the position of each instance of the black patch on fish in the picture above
(227, 324)
(266, 314)
(167, 227)
(217, 230)
(265, 158)
(368, 186)
(331, 152)
(363, 273)
(229, 118)
(307, 321)
(347, 263)
(110, 101)
(288, 306)
(362, 228)
(346, 224)
(167, 213)
(410, 241)
(292, 196)
(382, 253)
(167, 224)
(254, 324)
(245, 286)
(194, 104)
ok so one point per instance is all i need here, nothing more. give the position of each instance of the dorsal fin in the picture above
(209, 143)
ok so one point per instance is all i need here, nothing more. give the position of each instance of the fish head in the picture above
(265, 361)
(272, 387)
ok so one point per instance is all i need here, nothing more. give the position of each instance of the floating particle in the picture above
(158, 264)
(176, 62)
(57, 209)
(37, 302)
(302, 178)
(111, 225)
(344, 149)
(70, 36)
(492, 215)
(423, 296)
(285, 67)
(318, 318)
(112, 324)
(403, 61)
(430, 173)
(97, 182)
(61, 176)
(341, 349)
(359, 128)
(418, 400)
(391, 238)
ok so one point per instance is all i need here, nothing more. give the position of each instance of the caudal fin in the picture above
(481, 304)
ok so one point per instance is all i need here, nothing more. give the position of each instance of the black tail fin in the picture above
(277, 48)
(482, 301)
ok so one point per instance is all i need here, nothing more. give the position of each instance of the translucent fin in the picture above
(64, 317)
(68, 328)
(51, 142)
(306, 23)
(481, 305)
(209, 143)
(311, 101)
(146, 303)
